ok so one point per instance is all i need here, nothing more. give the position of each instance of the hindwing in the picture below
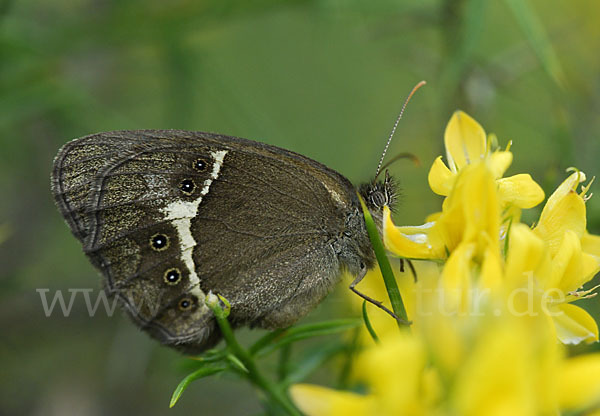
(169, 215)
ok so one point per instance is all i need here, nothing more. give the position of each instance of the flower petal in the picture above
(565, 209)
(450, 355)
(491, 276)
(590, 244)
(579, 382)
(590, 265)
(560, 215)
(378, 367)
(321, 401)
(568, 185)
(481, 209)
(520, 190)
(487, 385)
(527, 257)
(414, 247)
(499, 162)
(574, 324)
(571, 268)
(470, 213)
(440, 178)
(456, 278)
(565, 263)
(465, 141)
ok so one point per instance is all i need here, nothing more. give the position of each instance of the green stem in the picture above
(386, 269)
(254, 375)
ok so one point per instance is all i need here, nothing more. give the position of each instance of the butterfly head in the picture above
(378, 194)
(356, 251)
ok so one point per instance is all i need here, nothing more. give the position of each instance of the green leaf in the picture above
(236, 363)
(463, 37)
(266, 340)
(210, 356)
(312, 360)
(183, 384)
(537, 38)
(386, 269)
(368, 323)
(312, 330)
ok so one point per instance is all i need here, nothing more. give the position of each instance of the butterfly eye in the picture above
(172, 276)
(200, 165)
(185, 304)
(187, 186)
(159, 242)
(378, 199)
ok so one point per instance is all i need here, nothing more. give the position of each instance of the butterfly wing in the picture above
(168, 216)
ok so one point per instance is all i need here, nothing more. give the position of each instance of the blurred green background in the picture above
(325, 78)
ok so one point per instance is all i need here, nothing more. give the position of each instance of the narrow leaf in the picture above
(463, 37)
(266, 340)
(384, 264)
(368, 323)
(312, 330)
(535, 34)
(313, 360)
(183, 384)
(210, 356)
(236, 363)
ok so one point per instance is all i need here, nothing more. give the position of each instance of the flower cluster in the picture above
(492, 297)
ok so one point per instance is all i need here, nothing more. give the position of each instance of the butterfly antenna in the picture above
(415, 88)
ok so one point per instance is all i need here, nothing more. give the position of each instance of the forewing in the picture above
(270, 219)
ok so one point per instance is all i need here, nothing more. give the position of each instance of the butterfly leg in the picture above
(410, 265)
(361, 275)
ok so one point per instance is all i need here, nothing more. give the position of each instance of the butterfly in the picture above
(169, 216)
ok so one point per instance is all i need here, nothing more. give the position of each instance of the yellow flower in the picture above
(468, 232)
(564, 210)
(466, 144)
(554, 255)
(394, 373)
(489, 364)
(578, 382)
(471, 213)
(317, 400)
(552, 262)
(487, 313)
(472, 181)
